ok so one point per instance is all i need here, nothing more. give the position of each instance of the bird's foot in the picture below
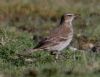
(56, 54)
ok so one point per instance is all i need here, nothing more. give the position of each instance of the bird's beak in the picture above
(77, 16)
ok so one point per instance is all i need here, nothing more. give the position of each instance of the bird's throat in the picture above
(68, 23)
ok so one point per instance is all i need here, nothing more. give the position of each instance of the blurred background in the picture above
(39, 17)
(24, 22)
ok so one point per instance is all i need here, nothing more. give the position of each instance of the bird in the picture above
(59, 38)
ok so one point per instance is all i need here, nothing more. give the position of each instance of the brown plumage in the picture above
(60, 37)
(56, 36)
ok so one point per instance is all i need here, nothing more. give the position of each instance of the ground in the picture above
(24, 22)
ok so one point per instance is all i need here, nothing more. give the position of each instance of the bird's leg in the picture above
(57, 55)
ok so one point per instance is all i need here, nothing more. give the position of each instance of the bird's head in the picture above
(68, 17)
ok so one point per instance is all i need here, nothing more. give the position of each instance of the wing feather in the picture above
(58, 35)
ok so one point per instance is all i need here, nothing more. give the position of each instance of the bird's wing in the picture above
(58, 35)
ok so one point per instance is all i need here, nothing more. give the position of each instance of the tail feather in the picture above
(34, 50)
(28, 52)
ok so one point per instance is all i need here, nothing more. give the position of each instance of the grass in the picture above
(20, 20)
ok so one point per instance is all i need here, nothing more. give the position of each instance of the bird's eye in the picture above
(69, 15)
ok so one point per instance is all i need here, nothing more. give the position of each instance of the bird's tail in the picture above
(33, 50)
(28, 52)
